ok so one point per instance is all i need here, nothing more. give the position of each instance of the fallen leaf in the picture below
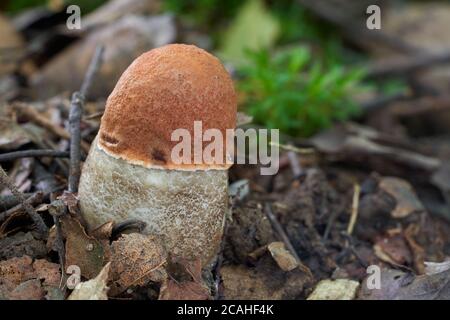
(82, 250)
(12, 136)
(136, 259)
(403, 192)
(47, 271)
(436, 267)
(21, 244)
(398, 285)
(28, 290)
(16, 270)
(20, 278)
(418, 252)
(393, 249)
(188, 290)
(95, 289)
(185, 281)
(339, 289)
(285, 260)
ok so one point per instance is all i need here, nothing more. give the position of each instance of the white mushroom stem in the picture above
(185, 208)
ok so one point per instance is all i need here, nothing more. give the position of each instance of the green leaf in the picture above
(254, 28)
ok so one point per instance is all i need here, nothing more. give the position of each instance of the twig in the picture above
(33, 153)
(422, 105)
(292, 148)
(33, 115)
(383, 101)
(75, 114)
(92, 70)
(279, 230)
(94, 115)
(284, 237)
(295, 164)
(57, 209)
(355, 205)
(8, 201)
(402, 66)
(37, 219)
(33, 200)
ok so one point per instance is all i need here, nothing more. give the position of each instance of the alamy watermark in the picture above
(373, 22)
(74, 20)
(248, 146)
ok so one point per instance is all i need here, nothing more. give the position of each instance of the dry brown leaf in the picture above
(403, 193)
(393, 249)
(339, 289)
(21, 244)
(285, 260)
(82, 250)
(12, 136)
(20, 278)
(436, 267)
(136, 259)
(397, 285)
(16, 270)
(104, 231)
(185, 281)
(47, 271)
(94, 289)
(418, 252)
(28, 290)
(187, 290)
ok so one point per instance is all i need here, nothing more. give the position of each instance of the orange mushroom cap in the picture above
(165, 89)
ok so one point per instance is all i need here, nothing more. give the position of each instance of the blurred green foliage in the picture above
(254, 28)
(297, 94)
(15, 6)
(203, 12)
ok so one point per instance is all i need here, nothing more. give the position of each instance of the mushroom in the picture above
(129, 172)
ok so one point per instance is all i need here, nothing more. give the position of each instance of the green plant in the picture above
(296, 94)
(203, 12)
(86, 6)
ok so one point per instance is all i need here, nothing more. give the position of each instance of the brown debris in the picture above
(136, 259)
(403, 193)
(81, 249)
(283, 257)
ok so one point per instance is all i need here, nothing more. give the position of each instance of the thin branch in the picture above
(34, 199)
(57, 209)
(8, 201)
(92, 70)
(76, 111)
(10, 156)
(33, 115)
(295, 164)
(402, 66)
(37, 219)
(284, 237)
(355, 205)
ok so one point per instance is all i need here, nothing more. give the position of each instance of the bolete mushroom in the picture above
(130, 173)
